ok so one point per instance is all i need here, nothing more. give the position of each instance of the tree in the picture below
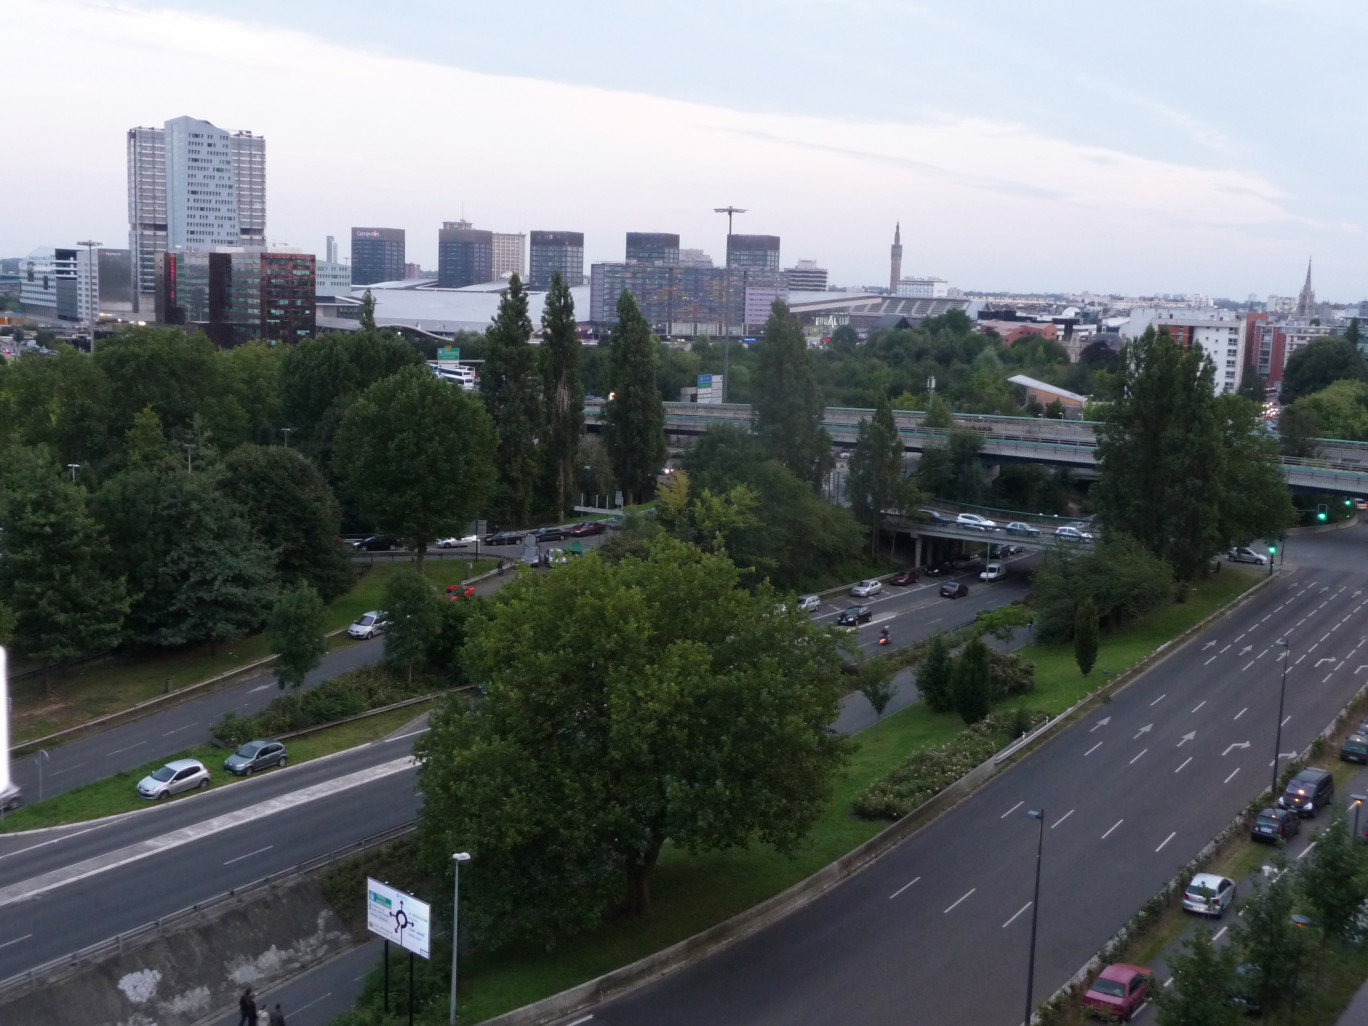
(1254, 388)
(1203, 978)
(144, 444)
(1123, 579)
(560, 352)
(610, 723)
(1255, 500)
(1002, 622)
(1320, 363)
(1269, 940)
(954, 470)
(788, 401)
(635, 429)
(1333, 877)
(368, 311)
(511, 387)
(971, 684)
(935, 679)
(876, 480)
(1085, 635)
(418, 454)
(1339, 410)
(414, 612)
(875, 681)
(295, 631)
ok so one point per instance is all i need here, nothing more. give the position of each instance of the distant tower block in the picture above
(895, 260)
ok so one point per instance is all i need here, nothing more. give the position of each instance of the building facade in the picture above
(753, 252)
(104, 284)
(377, 254)
(1219, 333)
(806, 276)
(656, 248)
(146, 209)
(47, 284)
(554, 252)
(332, 278)
(922, 288)
(508, 254)
(238, 295)
(465, 255)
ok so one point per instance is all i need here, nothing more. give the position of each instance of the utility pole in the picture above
(92, 281)
(726, 305)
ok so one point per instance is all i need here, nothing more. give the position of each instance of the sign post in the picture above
(448, 358)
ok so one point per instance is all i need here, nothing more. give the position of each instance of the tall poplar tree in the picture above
(564, 393)
(788, 402)
(635, 434)
(511, 387)
(877, 482)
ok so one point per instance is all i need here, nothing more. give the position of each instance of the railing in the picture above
(31, 978)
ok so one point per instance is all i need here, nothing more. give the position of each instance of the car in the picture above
(809, 603)
(954, 589)
(553, 533)
(588, 527)
(936, 569)
(993, 572)
(368, 625)
(854, 616)
(1355, 748)
(173, 778)
(1275, 824)
(375, 543)
(615, 523)
(1072, 534)
(866, 588)
(1246, 992)
(457, 543)
(904, 577)
(935, 516)
(504, 538)
(1244, 554)
(1308, 791)
(11, 798)
(1023, 529)
(460, 591)
(1118, 992)
(975, 521)
(970, 561)
(255, 755)
(844, 454)
(1004, 551)
(1209, 894)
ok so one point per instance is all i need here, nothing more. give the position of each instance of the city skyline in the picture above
(1015, 190)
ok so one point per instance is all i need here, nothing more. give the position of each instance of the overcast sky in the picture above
(1130, 147)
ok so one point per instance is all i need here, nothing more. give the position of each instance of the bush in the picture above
(1010, 674)
(1123, 579)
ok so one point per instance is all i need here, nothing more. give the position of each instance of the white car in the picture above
(1244, 554)
(1072, 534)
(993, 572)
(1209, 894)
(866, 588)
(809, 603)
(975, 521)
(368, 625)
(457, 543)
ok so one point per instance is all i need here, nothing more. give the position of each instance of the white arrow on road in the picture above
(1237, 744)
(1362, 667)
(1186, 738)
(1325, 659)
(1247, 648)
(1358, 592)
(1101, 723)
(1209, 644)
(1143, 730)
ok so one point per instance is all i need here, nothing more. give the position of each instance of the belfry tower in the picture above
(1306, 301)
(895, 260)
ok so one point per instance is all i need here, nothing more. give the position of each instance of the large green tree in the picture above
(1269, 941)
(511, 387)
(877, 483)
(935, 677)
(971, 684)
(414, 612)
(1320, 363)
(418, 455)
(787, 399)
(295, 630)
(612, 724)
(563, 391)
(635, 429)
(1256, 502)
(1333, 877)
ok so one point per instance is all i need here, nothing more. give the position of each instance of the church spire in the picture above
(1306, 302)
(895, 260)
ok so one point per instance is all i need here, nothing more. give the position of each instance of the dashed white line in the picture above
(1165, 841)
(178, 730)
(1185, 762)
(1159, 699)
(1014, 918)
(1209, 661)
(1306, 851)
(1114, 826)
(1242, 712)
(1093, 749)
(970, 891)
(1061, 819)
(1133, 761)
(128, 749)
(1232, 775)
(902, 888)
(249, 854)
(1012, 809)
(65, 769)
(1199, 705)
(1219, 934)
(1328, 676)
(578, 1022)
(16, 940)
(1284, 722)
(259, 687)
(1225, 650)
(1247, 665)
(1324, 636)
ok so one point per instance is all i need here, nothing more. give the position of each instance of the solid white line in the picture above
(1013, 919)
(1219, 933)
(971, 891)
(1061, 819)
(259, 687)
(1114, 826)
(1305, 851)
(300, 1008)
(1185, 762)
(411, 733)
(16, 940)
(1165, 841)
(1159, 699)
(1242, 712)
(902, 888)
(249, 854)
(1012, 809)
(65, 769)
(1199, 705)
(1247, 665)
(1167, 983)
(128, 749)
(1092, 749)
(577, 1022)
(44, 844)
(1133, 761)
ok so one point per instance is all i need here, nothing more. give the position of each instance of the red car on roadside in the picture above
(904, 577)
(588, 527)
(1118, 992)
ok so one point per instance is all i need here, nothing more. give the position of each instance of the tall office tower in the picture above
(508, 253)
(201, 186)
(659, 248)
(146, 210)
(331, 250)
(249, 173)
(895, 260)
(556, 251)
(465, 255)
(753, 252)
(377, 254)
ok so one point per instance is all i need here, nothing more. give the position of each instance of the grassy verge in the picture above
(118, 793)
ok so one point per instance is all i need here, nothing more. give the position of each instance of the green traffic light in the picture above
(1320, 516)
(1272, 550)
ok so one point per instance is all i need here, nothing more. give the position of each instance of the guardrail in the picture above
(31, 978)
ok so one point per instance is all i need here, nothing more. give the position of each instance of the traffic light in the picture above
(1272, 550)
(1320, 511)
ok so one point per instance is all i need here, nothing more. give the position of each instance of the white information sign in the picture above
(397, 917)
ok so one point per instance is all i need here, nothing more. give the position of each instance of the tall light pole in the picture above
(1277, 739)
(1358, 800)
(286, 433)
(1036, 814)
(457, 859)
(73, 467)
(726, 306)
(92, 280)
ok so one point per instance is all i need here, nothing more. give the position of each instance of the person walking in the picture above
(277, 1016)
(247, 1006)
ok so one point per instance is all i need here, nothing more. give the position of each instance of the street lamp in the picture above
(458, 858)
(1036, 814)
(1358, 800)
(73, 467)
(286, 432)
(1277, 740)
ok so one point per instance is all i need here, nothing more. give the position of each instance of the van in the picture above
(1309, 790)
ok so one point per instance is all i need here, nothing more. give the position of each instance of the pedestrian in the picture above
(277, 1016)
(247, 1006)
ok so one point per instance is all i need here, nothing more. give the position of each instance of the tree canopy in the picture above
(1319, 364)
(511, 387)
(787, 400)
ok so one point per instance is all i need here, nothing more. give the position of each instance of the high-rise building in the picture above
(508, 254)
(238, 295)
(377, 254)
(104, 283)
(330, 249)
(694, 258)
(658, 248)
(146, 209)
(465, 255)
(753, 252)
(556, 251)
(806, 276)
(895, 260)
(201, 186)
(249, 174)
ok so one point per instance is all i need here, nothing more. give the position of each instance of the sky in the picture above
(1133, 148)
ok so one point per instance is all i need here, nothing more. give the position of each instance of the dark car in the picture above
(1309, 790)
(376, 543)
(970, 562)
(903, 577)
(504, 538)
(1245, 995)
(935, 516)
(255, 755)
(554, 533)
(1355, 748)
(936, 569)
(854, 616)
(1273, 825)
(588, 527)
(954, 589)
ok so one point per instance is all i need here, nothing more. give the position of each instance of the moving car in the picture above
(1072, 534)
(866, 588)
(954, 589)
(1118, 992)
(457, 543)
(1308, 791)
(904, 577)
(1244, 554)
(1274, 824)
(993, 572)
(368, 625)
(504, 538)
(975, 521)
(588, 527)
(809, 603)
(375, 543)
(11, 798)
(936, 569)
(173, 778)
(854, 616)
(553, 533)
(935, 516)
(1023, 529)
(1355, 748)
(969, 561)
(255, 755)
(1209, 894)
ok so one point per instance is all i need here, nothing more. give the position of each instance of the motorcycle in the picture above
(883, 636)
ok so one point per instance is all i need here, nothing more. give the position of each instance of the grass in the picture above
(118, 793)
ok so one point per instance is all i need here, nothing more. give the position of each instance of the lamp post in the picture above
(1358, 800)
(1277, 738)
(1036, 814)
(458, 858)
(73, 467)
(286, 432)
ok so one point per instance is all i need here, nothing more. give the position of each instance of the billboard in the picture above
(396, 916)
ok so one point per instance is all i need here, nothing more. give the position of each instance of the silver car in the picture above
(368, 625)
(255, 755)
(173, 778)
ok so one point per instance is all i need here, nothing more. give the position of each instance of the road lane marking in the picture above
(1284, 722)
(178, 730)
(578, 1022)
(16, 940)
(1165, 841)
(259, 687)
(1209, 661)
(971, 891)
(1324, 636)
(128, 749)
(1306, 851)
(1012, 809)
(1225, 650)
(1219, 934)
(65, 769)
(1014, 918)
(1242, 712)
(299, 1008)
(902, 888)
(249, 854)
(1159, 699)
(1132, 762)
(1092, 749)
(1114, 826)
(1185, 762)
(1061, 819)
(1248, 665)
(1232, 775)
(1199, 705)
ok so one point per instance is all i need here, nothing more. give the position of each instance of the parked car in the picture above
(1275, 824)
(975, 521)
(173, 778)
(972, 561)
(11, 798)
(809, 603)
(1072, 534)
(376, 543)
(937, 569)
(588, 527)
(904, 577)
(1355, 748)
(1118, 992)
(993, 572)
(1244, 554)
(1309, 790)
(255, 755)
(1023, 529)
(866, 588)
(615, 522)
(935, 516)
(954, 589)
(844, 454)
(457, 543)
(1246, 989)
(1003, 551)
(1209, 894)
(554, 533)
(854, 616)
(368, 625)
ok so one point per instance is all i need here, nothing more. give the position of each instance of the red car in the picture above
(459, 591)
(904, 577)
(1118, 992)
(588, 527)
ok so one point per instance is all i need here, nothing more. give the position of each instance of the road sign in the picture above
(396, 916)
(448, 357)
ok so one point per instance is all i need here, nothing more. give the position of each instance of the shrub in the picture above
(971, 684)
(1010, 674)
